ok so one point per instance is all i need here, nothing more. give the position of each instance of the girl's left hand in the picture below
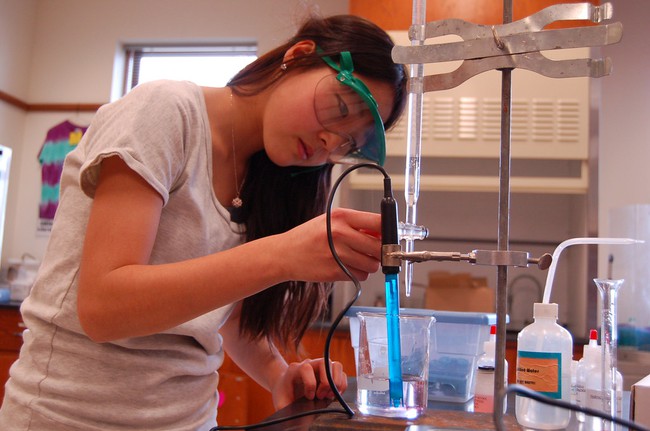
(307, 379)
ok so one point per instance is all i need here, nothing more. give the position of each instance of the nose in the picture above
(332, 141)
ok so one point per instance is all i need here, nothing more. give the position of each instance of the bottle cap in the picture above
(545, 310)
(489, 347)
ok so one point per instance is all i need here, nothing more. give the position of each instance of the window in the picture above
(206, 65)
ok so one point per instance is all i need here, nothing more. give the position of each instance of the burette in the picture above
(413, 139)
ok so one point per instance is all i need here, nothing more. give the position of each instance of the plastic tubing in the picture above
(414, 135)
(574, 241)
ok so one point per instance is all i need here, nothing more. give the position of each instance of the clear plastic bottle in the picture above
(544, 355)
(587, 367)
(574, 381)
(589, 385)
(484, 391)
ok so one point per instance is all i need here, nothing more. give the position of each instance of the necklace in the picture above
(236, 202)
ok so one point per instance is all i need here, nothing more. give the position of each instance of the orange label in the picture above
(540, 371)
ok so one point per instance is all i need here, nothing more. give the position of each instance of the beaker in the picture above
(608, 290)
(373, 395)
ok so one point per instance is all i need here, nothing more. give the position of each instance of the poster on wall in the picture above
(59, 141)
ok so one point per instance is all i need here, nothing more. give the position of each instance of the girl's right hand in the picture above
(309, 257)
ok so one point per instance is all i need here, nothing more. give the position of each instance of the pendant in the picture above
(237, 202)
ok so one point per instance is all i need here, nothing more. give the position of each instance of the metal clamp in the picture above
(514, 45)
(519, 43)
(477, 257)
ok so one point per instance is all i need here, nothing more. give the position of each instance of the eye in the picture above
(343, 107)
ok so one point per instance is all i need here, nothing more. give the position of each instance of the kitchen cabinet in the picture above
(397, 14)
(11, 328)
(245, 402)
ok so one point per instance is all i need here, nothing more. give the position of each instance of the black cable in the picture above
(523, 390)
(326, 355)
(351, 276)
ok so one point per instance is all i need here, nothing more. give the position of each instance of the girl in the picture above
(190, 224)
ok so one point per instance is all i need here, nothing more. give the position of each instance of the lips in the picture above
(304, 151)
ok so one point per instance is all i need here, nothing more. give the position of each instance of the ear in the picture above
(304, 47)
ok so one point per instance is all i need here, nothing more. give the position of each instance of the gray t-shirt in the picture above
(166, 381)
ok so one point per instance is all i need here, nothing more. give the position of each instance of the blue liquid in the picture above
(394, 345)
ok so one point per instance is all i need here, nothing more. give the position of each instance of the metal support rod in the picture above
(503, 232)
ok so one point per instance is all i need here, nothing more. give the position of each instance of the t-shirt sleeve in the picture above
(147, 129)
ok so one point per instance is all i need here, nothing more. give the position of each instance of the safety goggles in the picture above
(344, 106)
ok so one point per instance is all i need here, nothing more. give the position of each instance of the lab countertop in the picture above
(439, 416)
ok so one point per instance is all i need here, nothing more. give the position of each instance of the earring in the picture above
(283, 66)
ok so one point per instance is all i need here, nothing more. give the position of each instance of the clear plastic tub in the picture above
(455, 346)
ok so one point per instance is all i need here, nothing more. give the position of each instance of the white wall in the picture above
(625, 157)
(624, 168)
(63, 51)
(17, 20)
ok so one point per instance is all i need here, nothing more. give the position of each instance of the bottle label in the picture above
(541, 372)
(595, 399)
(483, 403)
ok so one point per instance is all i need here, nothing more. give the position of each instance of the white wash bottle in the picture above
(590, 372)
(588, 366)
(544, 355)
(484, 392)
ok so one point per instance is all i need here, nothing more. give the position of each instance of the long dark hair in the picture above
(280, 198)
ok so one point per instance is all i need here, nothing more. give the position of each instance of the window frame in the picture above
(135, 52)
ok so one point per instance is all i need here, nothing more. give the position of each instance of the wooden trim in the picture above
(48, 107)
(13, 101)
(51, 107)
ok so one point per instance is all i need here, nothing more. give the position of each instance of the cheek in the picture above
(291, 117)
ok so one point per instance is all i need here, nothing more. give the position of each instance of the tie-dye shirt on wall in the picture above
(60, 140)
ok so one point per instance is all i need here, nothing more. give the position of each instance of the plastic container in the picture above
(21, 274)
(544, 355)
(574, 381)
(588, 383)
(484, 390)
(456, 343)
(587, 364)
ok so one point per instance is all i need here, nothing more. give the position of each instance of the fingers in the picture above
(339, 378)
(359, 220)
(306, 378)
(310, 379)
(358, 230)
(324, 390)
(356, 241)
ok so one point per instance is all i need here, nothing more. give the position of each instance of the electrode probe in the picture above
(390, 243)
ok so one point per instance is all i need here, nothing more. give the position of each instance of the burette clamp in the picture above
(477, 257)
(389, 256)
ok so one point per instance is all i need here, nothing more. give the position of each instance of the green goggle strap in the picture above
(345, 77)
